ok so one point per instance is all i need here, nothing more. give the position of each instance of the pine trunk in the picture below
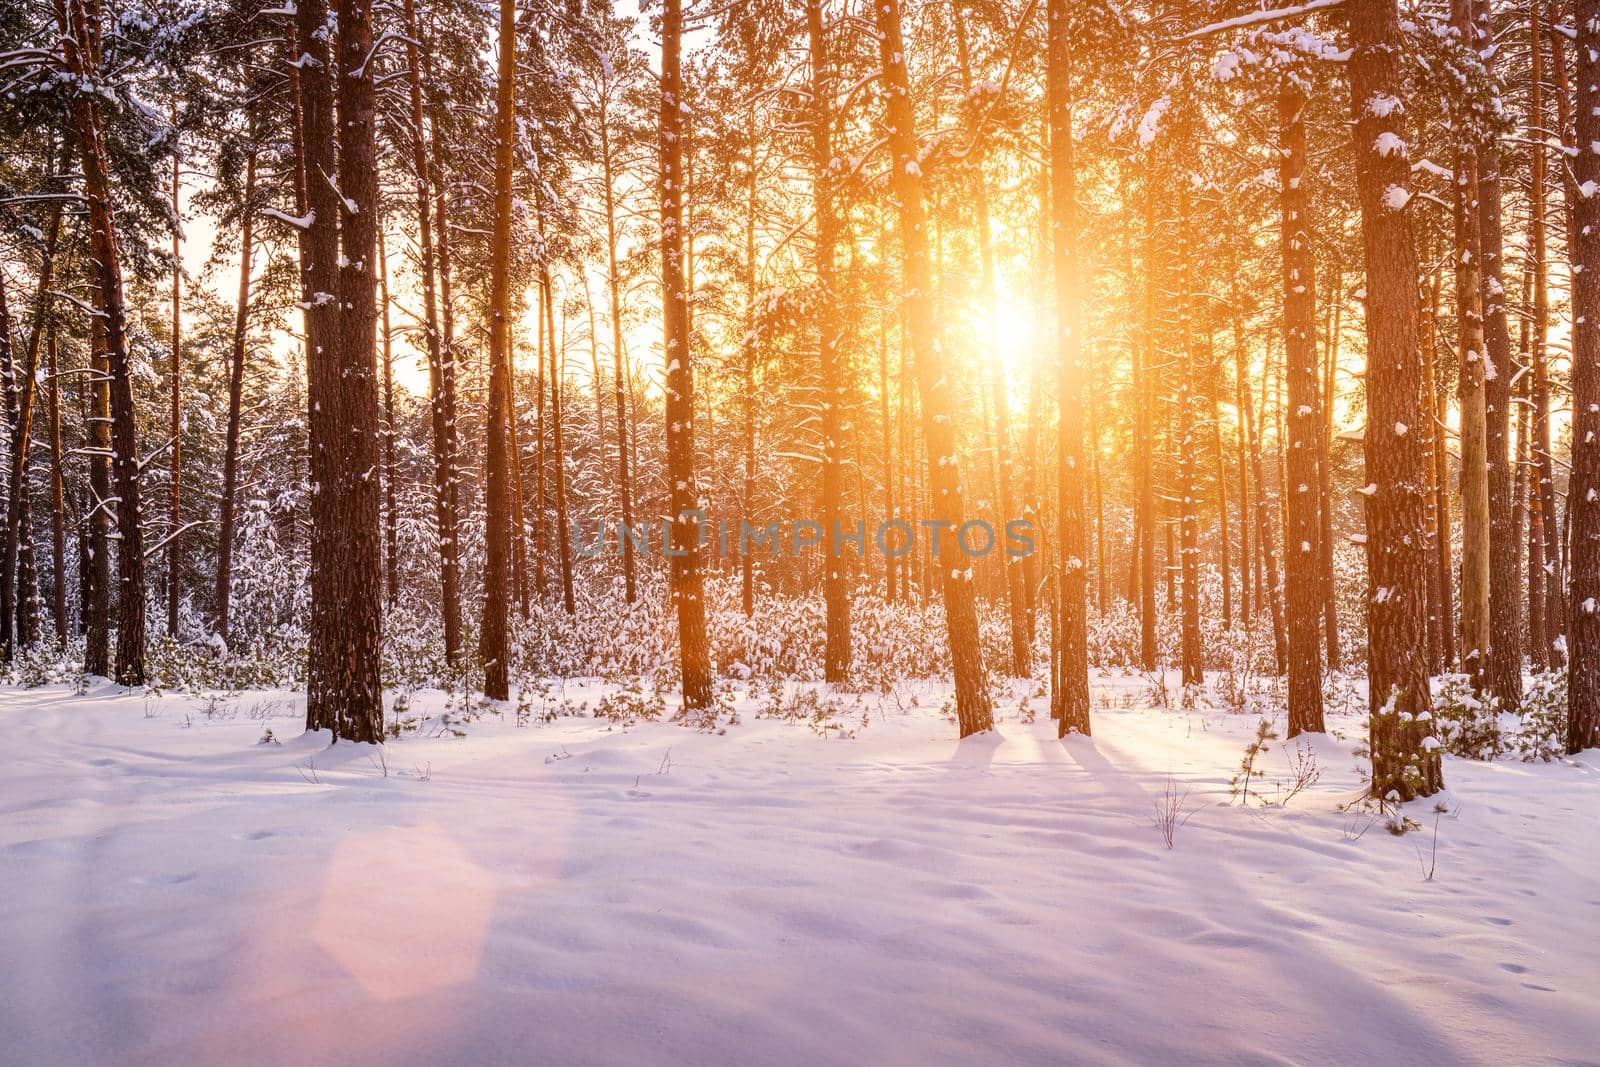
(492, 637)
(933, 379)
(1583, 496)
(80, 39)
(227, 509)
(619, 377)
(831, 373)
(686, 583)
(1405, 759)
(1070, 694)
(441, 373)
(1302, 555)
(391, 510)
(1504, 665)
(175, 373)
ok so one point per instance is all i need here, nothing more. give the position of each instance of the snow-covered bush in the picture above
(1468, 723)
(1542, 734)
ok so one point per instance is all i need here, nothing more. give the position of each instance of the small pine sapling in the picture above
(1239, 785)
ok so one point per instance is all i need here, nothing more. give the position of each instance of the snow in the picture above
(1151, 123)
(1389, 143)
(1396, 197)
(582, 892)
(1382, 105)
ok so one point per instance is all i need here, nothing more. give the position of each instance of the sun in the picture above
(1010, 336)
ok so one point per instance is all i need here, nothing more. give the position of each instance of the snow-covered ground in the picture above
(172, 891)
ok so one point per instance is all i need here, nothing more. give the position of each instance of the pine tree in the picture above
(686, 585)
(1303, 599)
(1405, 758)
(1583, 496)
(933, 381)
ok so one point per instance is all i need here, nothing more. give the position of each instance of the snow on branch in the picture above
(1256, 18)
(299, 222)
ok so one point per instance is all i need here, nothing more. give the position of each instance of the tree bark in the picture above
(441, 373)
(391, 511)
(831, 374)
(339, 249)
(1070, 694)
(687, 585)
(175, 373)
(492, 637)
(21, 389)
(1144, 373)
(230, 454)
(58, 504)
(1543, 587)
(1302, 556)
(80, 39)
(614, 290)
(1583, 496)
(558, 370)
(1266, 560)
(1191, 656)
(1476, 646)
(1405, 759)
(1330, 589)
(973, 710)
(1504, 666)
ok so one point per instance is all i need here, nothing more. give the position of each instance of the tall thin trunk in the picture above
(391, 514)
(1476, 647)
(1504, 666)
(747, 497)
(558, 370)
(175, 373)
(1543, 589)
(1330, 588)
(1242, 448)
(835, 581)
(973, 709)
(95, 578)
(890, 562)
(1070, 694)
(1302, 557)
(80, 40)
(441, 374)
(338, 248)
(1583, 497)
(14, 485)
(1144, 372)
(619, 377)
(1191, 655)
(1405, 763)
(1265, 559)
(1558, 549)
(1441, 612)
(1101, 575)
(1219, 458)
(343, 687)
(492, 644)
(58, 504)
(21, 388)
(519, 499)
(687, 585)
(597, 386)
(230, 455)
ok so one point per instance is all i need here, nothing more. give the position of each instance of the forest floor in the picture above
(173, 890)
